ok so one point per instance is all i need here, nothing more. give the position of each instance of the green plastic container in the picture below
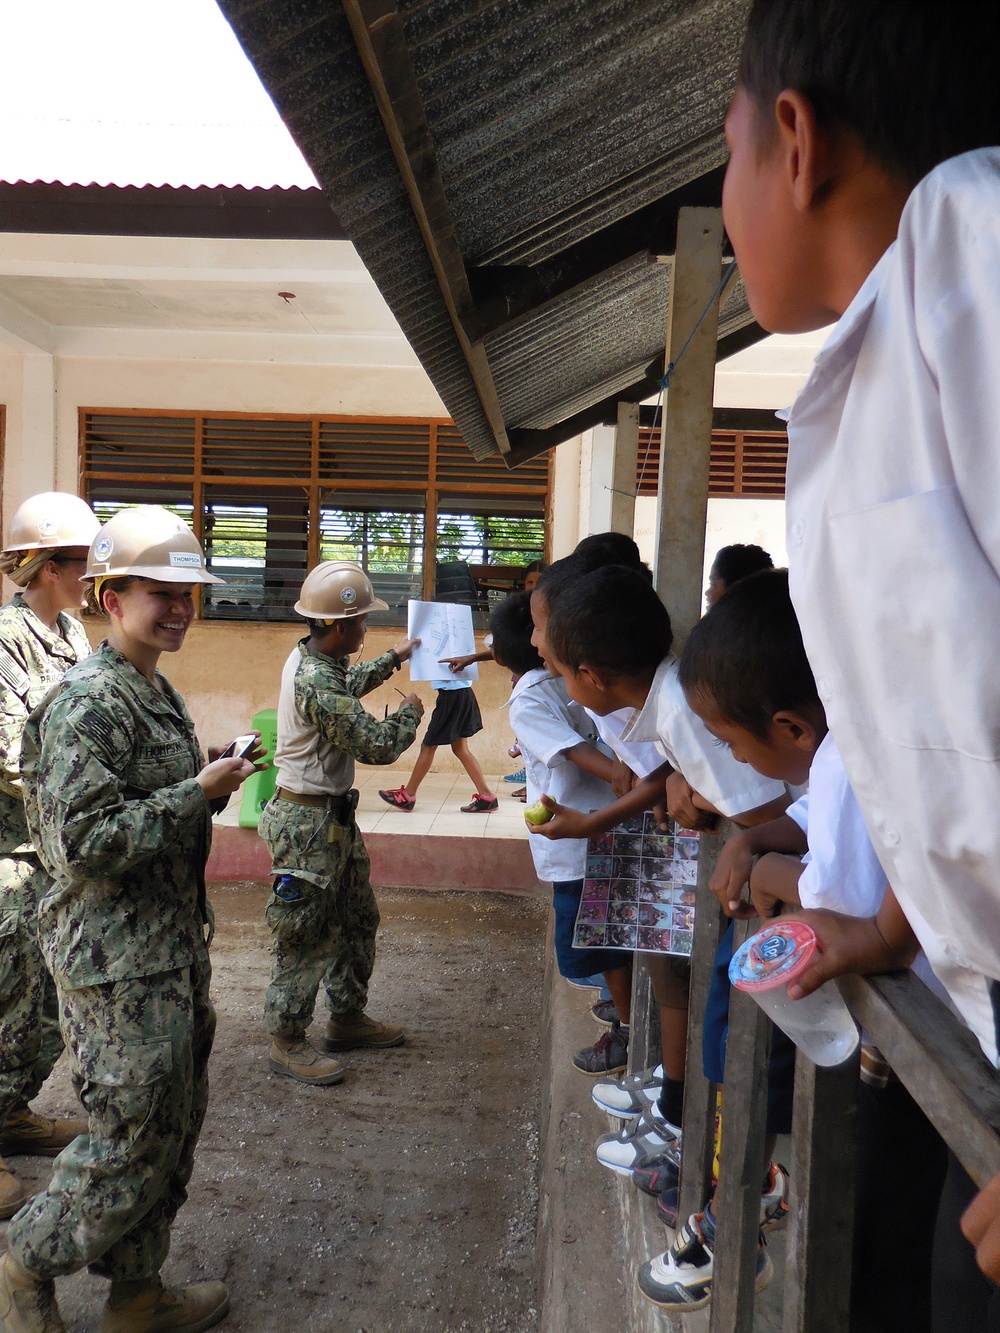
(259, 788)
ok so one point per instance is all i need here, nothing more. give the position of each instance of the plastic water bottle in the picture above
(820, 1024)
(288, 888)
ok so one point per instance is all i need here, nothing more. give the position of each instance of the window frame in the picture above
(745, 464)
(447, 473)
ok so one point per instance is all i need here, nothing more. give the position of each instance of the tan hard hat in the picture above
(335, 590)
(148, 542)
(51, 520)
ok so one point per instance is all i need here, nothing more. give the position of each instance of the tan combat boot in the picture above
(294, 1057)
(13, 1195)
(27, 1303)
(27, 1134)
(347, 1031)
(150, 1307)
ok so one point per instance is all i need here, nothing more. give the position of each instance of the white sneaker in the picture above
(652, 1135)
(681, 1278)
(630, 1095)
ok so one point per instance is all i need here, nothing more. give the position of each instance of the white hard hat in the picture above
(51, 520)
(148, 542)
(335, 590)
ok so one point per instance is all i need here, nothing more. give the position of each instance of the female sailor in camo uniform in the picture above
(45, 555)
(117, 797)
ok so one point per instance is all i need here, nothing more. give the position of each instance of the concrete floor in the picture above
(438, 809)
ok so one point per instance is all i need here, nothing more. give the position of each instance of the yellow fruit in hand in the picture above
(538, 813)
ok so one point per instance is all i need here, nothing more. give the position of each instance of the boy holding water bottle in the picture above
(864, 187)
(745, 673)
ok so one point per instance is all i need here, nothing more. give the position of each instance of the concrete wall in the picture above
(228, 672)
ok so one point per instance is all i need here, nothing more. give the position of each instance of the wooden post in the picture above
(645, 1050)
(682, 505)
(737, 1200)
(699, 1092)
(821, 1225)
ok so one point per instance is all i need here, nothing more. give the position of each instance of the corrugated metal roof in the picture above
(542, 148)
(592, 339)
(286, 212)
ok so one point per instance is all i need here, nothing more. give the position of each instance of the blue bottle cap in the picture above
(773, 957)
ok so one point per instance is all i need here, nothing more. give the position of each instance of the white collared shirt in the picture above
(546, 725)
(893, 514)
(642, 757)
(841, 871)
(685, 742)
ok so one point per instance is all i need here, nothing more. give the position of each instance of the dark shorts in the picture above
(456, 715)
(577, 963)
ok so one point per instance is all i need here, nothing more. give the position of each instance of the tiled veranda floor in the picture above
(438, 809)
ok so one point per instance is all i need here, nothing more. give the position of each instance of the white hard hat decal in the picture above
(185, 560)
(47, 527)
(348, 596)
(103, 547)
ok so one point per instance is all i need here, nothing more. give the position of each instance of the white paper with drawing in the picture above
(444, 630)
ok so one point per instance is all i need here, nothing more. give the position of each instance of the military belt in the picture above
(339, 806)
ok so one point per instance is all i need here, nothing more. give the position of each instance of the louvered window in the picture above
(270, 496)
(388, 544)
(743, 463)
(257, 541)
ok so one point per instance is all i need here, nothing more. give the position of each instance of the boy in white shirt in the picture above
(560, 757)
(745, 673)
(864, 186)
(609, 637)
(657, 779)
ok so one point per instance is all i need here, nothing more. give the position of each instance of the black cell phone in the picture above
(240, 747)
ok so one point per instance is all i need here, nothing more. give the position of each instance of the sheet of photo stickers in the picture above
(639, 888)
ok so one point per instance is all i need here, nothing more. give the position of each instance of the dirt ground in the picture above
(402, 1200)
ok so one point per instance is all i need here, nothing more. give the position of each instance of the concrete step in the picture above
(399, 860)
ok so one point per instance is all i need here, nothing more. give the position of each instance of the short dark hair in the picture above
(319, 629)
(559, 576)
(597, 551)
(746, 655)
(535, 567)
(614, 548)
(737, 562)
(918, 81)
(611, 548)
(612, 620)
(511, 627)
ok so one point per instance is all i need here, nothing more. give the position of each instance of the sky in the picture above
(136, 92)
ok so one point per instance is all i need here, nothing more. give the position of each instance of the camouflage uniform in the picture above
(323, 929)
(32, 659)
(109, 765)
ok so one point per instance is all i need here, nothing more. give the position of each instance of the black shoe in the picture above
(604, 1012)
(655, 1176)
(608, 1054)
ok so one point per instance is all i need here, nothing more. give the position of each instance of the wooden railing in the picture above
(936, 1058)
